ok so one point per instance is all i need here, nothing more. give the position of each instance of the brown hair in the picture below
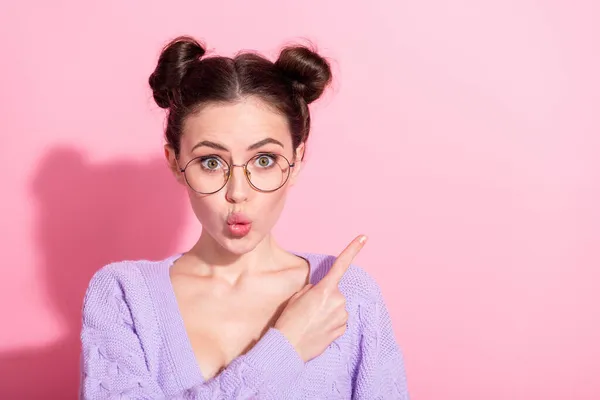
(183, 82)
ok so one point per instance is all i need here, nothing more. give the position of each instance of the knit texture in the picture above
(134, 345)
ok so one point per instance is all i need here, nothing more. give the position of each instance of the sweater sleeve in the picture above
(379, 373)
(114, 362)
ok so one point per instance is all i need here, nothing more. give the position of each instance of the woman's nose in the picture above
(238, 186)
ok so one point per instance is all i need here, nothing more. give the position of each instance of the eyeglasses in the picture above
(265, 172)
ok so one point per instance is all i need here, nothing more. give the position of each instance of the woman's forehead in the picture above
(238, 124)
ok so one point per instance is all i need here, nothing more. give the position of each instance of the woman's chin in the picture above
(240, 245)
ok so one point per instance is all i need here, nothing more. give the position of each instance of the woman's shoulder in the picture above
(132, 269)
(356, 284)
(127, 276)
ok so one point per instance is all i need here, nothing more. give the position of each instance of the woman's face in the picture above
(238, 216)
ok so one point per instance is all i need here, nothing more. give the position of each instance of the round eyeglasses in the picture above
(265, 172)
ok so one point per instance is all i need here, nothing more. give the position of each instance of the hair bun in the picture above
(173, 64)
(308, 71)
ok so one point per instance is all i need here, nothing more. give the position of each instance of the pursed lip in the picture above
(238, 218)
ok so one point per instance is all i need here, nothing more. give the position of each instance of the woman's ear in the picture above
(173, 163)
(299, 155)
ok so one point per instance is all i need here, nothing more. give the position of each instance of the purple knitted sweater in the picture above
(134, 345)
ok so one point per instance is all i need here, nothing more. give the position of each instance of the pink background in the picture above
(463, 137)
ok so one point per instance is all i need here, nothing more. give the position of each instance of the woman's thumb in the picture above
(299, 293)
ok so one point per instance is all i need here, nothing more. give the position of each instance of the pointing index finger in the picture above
(343, 261)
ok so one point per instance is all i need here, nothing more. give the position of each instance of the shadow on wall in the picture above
(87, 216)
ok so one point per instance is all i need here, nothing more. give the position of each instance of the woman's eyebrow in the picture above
(218, 146)
(208, 143)
(264, 142)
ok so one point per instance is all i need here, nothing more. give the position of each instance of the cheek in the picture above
(208, 209)
(270, 206)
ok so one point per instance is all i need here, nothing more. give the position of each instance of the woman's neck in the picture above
(211, 259)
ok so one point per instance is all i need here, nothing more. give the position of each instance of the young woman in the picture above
(237, 316)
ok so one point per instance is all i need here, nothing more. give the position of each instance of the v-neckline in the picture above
(178, 344)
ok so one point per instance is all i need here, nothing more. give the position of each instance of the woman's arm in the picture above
(379, 373)
(114, 363)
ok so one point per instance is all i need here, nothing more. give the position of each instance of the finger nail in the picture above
(362, 239)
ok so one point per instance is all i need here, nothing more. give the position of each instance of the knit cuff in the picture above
(275, 359)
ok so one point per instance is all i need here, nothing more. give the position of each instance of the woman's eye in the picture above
(211, 163)
(264, 161)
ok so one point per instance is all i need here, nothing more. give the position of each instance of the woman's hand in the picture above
(316, 315)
